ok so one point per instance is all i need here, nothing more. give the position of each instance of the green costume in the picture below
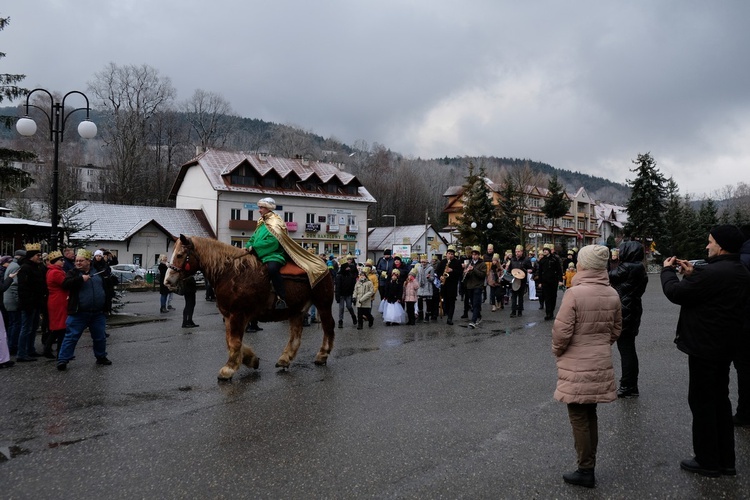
(266, 245)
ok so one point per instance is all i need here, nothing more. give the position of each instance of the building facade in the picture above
(325, 208)
(578, 227)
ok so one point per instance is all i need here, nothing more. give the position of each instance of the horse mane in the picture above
(218, 258)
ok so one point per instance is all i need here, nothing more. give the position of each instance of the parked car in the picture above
(127, 273)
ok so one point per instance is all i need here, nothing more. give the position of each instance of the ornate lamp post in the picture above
(483, 236)
(57, 119)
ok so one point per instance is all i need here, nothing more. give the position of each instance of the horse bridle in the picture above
(185, 265)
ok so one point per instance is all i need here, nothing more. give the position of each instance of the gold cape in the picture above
(313, 265)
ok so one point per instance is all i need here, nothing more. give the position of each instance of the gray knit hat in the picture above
(593, 257)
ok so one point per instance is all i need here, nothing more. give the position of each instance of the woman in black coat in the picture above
(163, 289)
(629, 279)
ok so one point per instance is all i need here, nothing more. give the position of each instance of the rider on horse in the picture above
(273, 246)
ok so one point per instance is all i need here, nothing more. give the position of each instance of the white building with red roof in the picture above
(324, 207)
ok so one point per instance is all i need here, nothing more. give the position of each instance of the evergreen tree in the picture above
(508, 211)
(707, 216)
(674, 229)
(479, 211)
(646, 204)
(557, 204)
(12, 180)
(693, 245)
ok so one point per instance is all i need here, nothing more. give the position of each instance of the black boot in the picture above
(581, 477)
(48, 341)
(354, 316)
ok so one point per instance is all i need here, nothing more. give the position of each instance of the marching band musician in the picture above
(450, 273)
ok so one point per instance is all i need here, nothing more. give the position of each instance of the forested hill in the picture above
(250, 134)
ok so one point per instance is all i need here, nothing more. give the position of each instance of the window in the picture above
(310, 219)
(351, 190)
(245, 175)
(269, 182)
(236, 214)
(250, 215)
(331, 188)
(351, 220)
(288, 216)
(332, 220)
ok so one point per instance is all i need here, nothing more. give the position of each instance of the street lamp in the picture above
(536, 236)
(394, 229)
(483, 237)
(57, 119)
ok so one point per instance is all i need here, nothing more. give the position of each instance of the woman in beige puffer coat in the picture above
(588, 323)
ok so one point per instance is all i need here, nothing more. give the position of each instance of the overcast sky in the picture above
(581, 85)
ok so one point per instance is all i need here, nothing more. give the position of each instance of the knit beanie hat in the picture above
(729, 237)
(593, 257)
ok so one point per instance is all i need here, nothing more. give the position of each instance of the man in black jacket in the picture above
(629, 279)
(741, 358)
(450, 273)
(549, 275)
(32, 296)
(346, 279)
(712, 298)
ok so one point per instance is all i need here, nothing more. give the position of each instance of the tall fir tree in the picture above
(479, 211)
(646, 205)
(508, 207)
(674, 228)
(556, 204)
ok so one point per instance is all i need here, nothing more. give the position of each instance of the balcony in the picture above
(332, 228)
(291, 226)
(243, 225)
(352, 229)
(312, 228)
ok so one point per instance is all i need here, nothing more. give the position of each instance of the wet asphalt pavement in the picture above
(425, 411)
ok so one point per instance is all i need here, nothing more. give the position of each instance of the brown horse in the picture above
(243, 293)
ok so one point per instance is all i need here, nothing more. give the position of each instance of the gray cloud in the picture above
(580, 85)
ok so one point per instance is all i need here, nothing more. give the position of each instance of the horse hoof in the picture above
(282, 364)
(251, 362)
(321, 362)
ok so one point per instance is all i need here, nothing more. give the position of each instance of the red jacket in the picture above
(57, 301)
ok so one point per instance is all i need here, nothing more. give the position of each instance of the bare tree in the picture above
(131, 96)
(211, 119)
(289, 142)
(169, 136)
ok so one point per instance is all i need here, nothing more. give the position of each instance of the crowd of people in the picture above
(60, 294)
(601, 305)
(66, 292)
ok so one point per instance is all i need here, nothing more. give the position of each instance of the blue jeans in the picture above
(476, 295)
(345, 302)
(29, 324)
(14, 330)
(75, 325)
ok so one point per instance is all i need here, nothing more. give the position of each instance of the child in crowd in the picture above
(393, 312)
(409, 296)
(363, 295)
(569, 273)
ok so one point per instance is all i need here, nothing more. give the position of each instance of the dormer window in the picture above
(244, 175)
(269, 182)
(351, 190)
(331, 188)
